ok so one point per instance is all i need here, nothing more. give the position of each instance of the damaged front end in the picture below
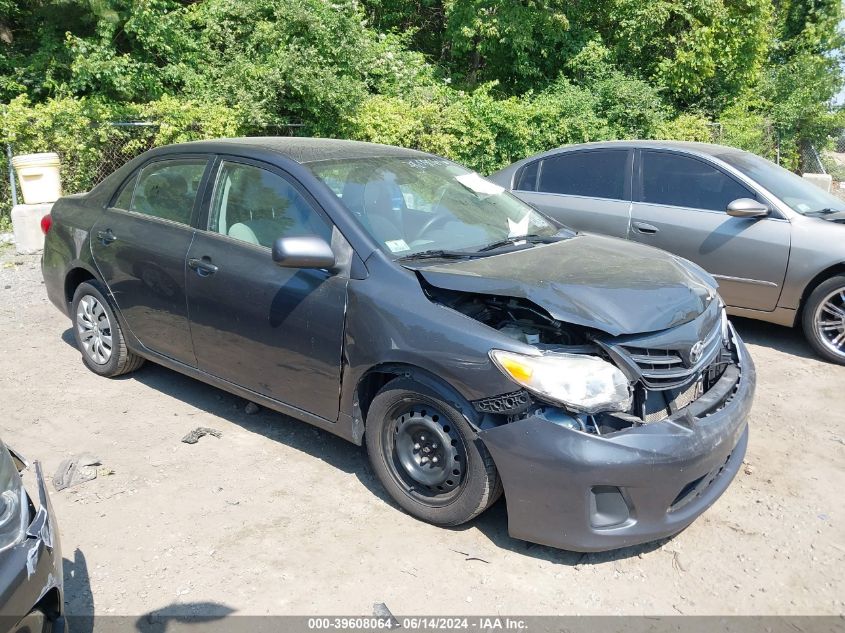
(31, 578)
(611, 461)
(663, 371)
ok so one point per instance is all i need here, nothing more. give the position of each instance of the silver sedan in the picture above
(774, 241)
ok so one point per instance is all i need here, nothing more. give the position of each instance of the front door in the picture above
(276, 331)
(139, 245)
(680, 206)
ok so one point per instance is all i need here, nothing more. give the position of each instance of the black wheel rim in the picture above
(425, 453)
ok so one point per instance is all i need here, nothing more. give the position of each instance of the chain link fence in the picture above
(128, 139)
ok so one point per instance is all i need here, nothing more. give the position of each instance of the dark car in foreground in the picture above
(401, 301)
(774, 241)
(31, 581)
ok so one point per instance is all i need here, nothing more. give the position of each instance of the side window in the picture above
(527, 180)
(257, 206)
(167, 189)
(683, 181)
(124, 200)
(596, 174)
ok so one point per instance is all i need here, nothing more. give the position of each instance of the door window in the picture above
(682, 181)
(527, 180)
(167, 189)
(124, 200)
(595, 174)
(257, 206)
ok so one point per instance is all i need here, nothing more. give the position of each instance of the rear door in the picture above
(276, 331)
(680, 206)
(588, 190)
(139, 245)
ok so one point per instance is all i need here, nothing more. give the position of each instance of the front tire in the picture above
(97, 333)
(427, 456)
(823, 319)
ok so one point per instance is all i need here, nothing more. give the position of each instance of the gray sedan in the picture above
(774, 241)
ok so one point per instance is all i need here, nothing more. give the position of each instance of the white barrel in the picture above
(26, 226)
(39, 177)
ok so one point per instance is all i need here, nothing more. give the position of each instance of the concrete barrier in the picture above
(26, 226)
(822, 181)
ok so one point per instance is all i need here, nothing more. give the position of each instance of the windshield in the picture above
(801, 195)
(414, 205)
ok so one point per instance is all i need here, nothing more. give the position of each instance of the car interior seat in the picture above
(164, 195)
(260, 214)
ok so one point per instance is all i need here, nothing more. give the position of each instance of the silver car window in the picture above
(682, 181)
(801, 195)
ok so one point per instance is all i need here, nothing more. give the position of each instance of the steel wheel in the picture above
(94, 328)
(424, 453)
(829, 320)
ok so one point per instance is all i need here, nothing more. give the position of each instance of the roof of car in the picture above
(710, 149)
(690, 146)
(304, 150)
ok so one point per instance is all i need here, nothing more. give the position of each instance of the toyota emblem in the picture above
(695, 352)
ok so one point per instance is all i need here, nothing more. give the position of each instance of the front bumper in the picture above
(31, 571)
(565, 488)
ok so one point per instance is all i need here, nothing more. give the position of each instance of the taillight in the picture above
(46, 223)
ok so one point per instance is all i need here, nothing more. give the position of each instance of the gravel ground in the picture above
(276, 517)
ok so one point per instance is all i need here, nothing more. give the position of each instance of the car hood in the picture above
(599, 282)
(838, 216)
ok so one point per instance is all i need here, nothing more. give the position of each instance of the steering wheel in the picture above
(436, 220)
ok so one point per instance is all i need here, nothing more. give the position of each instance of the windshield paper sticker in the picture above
(518, 229)
(397, 246)
(477, 184)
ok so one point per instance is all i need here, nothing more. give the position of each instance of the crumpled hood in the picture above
(599, 282)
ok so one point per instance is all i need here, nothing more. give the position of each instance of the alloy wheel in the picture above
(829, 320)
(94, 329)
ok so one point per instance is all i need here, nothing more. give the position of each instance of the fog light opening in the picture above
(608, 507)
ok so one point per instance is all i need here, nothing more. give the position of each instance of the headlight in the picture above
(12, 501)
(582, 383)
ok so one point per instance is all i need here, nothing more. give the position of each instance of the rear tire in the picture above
(97, 333)
(823, 319)
(427, 456)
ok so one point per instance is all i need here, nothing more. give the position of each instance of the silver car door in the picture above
(680, 206)
(587, 190)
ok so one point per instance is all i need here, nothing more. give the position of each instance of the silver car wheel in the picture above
(94, 327)
(830, 321)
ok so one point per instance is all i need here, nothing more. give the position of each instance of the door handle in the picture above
(646, 229)
(203, 267)
(106, 237)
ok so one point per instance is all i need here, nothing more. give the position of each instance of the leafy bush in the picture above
(479, 129)
(686, 127)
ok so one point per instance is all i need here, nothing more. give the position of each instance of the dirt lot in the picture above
(276, 517)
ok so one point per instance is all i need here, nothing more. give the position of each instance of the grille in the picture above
(661, 404)
(666, 369)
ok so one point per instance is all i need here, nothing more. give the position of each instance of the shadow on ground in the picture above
(79, 601)
(777, 337)
(345, 456)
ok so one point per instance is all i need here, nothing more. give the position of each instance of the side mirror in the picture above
(747, 208)
(303, 252)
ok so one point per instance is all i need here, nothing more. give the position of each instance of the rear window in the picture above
(594, 174)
